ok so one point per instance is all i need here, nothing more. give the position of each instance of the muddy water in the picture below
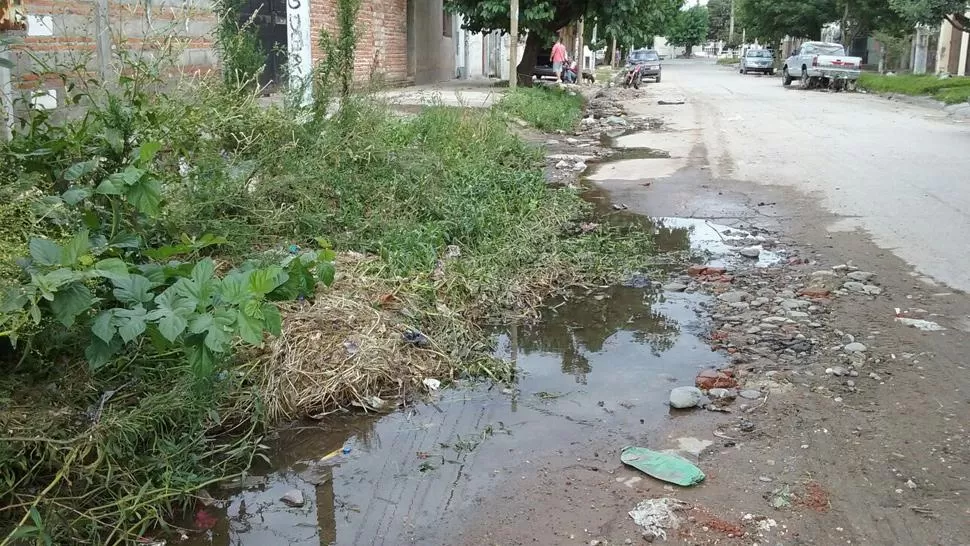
(597, 369)
(599, 365)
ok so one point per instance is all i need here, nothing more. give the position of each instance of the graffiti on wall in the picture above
(298, 47)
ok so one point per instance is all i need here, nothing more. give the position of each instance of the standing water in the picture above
(597, 368)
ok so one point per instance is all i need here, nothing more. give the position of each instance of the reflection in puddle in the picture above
(597, 368)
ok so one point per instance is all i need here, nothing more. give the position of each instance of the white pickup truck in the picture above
(822, 64)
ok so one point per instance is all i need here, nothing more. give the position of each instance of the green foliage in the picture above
(689, 28)
(544, 108)
(243, 57)
(929, 12)
(949, 90)
(339, 53)
(719, 20)
(771, 20)
(635, 23)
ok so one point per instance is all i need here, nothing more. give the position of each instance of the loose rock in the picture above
(861, 276)
(750, 394)
(733, 297)
(294, 498)
(750, 252)
(855, 348)
(685, 397)
(675, 287)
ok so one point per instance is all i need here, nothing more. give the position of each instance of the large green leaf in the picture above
(147, 152)
(250, 329)
(133, 290)
(201, 359)
(104, 326)
(272, 319)
(74, 196)
(326, 272)
(264, 281)
(234, 288)
(114, 139)
(45, 252)
(78, 246)
(70, 302)
(100, 353)
(131, 322)
(111, 268)
(172, 314)
(79, 170)
(146, 196)
(112, 185)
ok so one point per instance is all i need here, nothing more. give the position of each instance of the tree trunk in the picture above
(689, 50)
(528, 63)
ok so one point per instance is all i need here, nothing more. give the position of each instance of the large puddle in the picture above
(598, 366)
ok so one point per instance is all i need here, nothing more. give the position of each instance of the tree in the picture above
(689, 28)
(862, 17)
(771, 20)
(719, 20)
(542, 19)
(933, 11)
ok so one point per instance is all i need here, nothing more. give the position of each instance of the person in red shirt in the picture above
(558, 58)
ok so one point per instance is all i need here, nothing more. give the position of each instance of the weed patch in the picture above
(546, 108)
(949, 90)
(168, 260)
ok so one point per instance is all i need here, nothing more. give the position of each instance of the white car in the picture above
(822, 64)
(757, 60)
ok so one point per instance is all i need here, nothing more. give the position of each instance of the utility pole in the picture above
(579, 46)
(514, 45)
(731, 27)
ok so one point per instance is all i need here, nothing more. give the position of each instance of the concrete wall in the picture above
(433, 50)
(84, 37)
(952, 50)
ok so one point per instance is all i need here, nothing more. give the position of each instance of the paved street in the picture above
(899, 172)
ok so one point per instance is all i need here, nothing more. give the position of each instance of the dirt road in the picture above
(848, 425)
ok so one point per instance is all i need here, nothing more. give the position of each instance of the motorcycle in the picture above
(634, 76)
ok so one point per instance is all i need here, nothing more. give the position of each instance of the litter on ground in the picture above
(663, 466)
(655, 516)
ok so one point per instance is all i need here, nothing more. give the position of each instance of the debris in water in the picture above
(663, 466)
(670, 101)
(920, 324)
(655, 516)
(294, 498)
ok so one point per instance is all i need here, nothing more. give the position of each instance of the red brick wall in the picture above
(382, 33)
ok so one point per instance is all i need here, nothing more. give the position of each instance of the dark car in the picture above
(543, 68)
(649, 61)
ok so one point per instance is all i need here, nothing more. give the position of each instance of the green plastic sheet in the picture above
(663, 466)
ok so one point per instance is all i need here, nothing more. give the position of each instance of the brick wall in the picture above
(382, 32)
(62, 36)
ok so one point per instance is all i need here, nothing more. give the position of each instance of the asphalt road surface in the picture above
(899, 172)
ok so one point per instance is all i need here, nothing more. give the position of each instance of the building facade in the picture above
(399, 41)
(952, 49)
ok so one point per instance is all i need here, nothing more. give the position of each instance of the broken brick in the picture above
(814, 292)
(715, 379)
(696, 270)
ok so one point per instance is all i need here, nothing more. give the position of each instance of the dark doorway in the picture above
(269, 18)
(412, 54)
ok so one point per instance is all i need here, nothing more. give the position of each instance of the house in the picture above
(400, 41)
(952, 50)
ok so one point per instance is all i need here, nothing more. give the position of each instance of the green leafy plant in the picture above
(179, 305)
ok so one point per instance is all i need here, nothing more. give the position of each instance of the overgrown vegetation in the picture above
(949, 90)
(728, 60)
(545, 108)
(166, 260)
(239, 47)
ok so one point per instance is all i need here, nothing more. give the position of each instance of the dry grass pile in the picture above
(347, 348)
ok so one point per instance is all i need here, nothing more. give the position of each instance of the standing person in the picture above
(558, 58)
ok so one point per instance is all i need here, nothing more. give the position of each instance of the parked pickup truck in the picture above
(822, 64)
